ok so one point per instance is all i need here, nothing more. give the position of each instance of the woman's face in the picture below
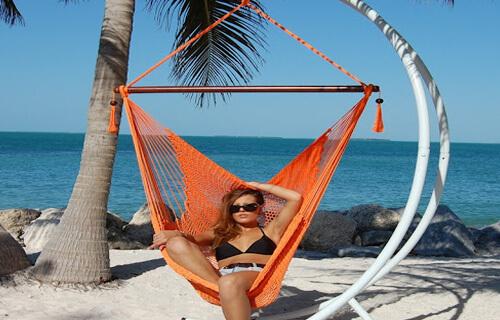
(245, 209)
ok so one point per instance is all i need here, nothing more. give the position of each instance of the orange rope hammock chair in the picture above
(184, 188)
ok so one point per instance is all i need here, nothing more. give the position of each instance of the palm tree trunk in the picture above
(78, 251)
(13, 257)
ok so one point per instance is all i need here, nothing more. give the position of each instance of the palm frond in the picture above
(227, 55)
(9, 13)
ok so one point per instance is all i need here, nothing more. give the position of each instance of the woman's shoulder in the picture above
(271, 233)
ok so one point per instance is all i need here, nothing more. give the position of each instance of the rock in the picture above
(375, 238)
(115, 235)
(140, 228)
(413, 226)
(327, 230)
(37, 233)
(476, 233)
(374, 217)
(14, 220)
(361, 231)
(446, 236)
(488, 240)
(118, 240)
(13, 257)
(114, 220)
(312, 255)
(357, 241)
(353, 251)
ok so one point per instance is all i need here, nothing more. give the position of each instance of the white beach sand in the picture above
(145, 288)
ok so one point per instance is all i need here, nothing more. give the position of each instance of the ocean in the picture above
(38, 170)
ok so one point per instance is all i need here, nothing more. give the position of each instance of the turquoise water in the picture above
(38, 170)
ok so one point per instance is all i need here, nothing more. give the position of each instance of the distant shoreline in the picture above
(369, 139)
(251, 137)
(276, 137)
(264, 137)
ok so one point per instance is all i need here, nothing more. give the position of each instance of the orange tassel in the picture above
(112, 120)
(378, 126)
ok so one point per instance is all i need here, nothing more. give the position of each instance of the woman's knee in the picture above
(232, 284)
(178, 246)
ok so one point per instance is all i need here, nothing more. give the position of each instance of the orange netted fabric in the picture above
(184, 188)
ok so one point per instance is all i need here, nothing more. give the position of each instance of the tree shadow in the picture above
(132, 270)
(32, 257)
(124, 271)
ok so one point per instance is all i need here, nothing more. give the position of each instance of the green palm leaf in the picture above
(9, 13)
(227, 55)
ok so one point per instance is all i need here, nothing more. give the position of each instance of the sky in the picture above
(47, 69)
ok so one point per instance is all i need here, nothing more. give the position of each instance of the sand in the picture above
(146, 288)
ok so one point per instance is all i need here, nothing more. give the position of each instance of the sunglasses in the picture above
(251, 207)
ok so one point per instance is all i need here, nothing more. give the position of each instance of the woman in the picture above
(241, 246)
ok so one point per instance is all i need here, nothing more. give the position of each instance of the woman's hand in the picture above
(253, 184)
(162, 237)
(281, 192)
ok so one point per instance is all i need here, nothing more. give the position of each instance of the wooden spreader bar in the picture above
(231, 89)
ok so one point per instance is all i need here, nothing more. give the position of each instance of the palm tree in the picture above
(77, 251)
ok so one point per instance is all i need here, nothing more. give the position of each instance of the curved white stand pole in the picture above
(415, 69)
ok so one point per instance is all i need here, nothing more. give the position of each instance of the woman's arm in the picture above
(293, 202)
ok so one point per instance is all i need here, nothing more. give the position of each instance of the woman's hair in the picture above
(226, 228)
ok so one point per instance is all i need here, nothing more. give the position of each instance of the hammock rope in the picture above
(307, 45)
(213, 25)
(184, 187)
(187, 43)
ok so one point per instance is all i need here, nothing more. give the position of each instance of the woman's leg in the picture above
(189, 255)
(233, 296)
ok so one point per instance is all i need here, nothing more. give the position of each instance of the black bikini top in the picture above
(264, 246)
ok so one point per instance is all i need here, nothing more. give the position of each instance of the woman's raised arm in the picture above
(292, 206)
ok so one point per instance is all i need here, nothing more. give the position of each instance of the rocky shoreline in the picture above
(361, 231)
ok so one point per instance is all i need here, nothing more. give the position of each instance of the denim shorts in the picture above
(225, 271)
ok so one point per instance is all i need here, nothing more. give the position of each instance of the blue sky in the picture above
(47, 69)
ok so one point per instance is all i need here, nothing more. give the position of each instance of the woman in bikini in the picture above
(242, 247)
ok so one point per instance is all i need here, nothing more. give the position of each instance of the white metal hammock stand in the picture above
(386, 261)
